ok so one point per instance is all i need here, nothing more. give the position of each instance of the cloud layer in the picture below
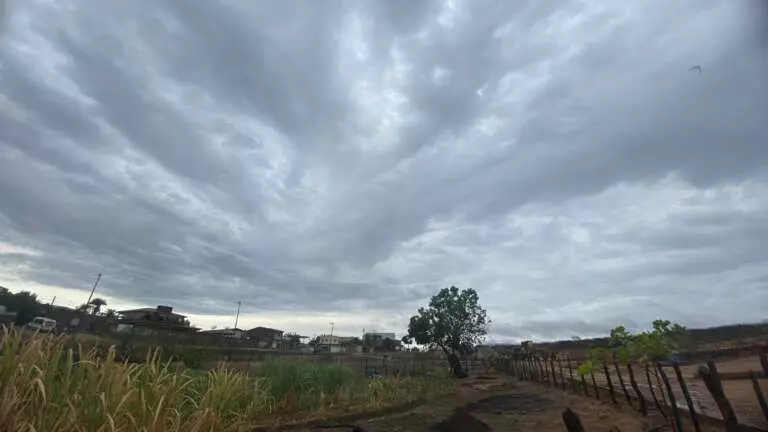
(341, 161)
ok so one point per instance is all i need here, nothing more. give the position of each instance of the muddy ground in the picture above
(507, 405)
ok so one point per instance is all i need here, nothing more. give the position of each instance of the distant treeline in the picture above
(697, 337)
(23, 303)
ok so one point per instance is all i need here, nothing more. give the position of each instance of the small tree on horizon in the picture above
(97, 303)
(453, 322)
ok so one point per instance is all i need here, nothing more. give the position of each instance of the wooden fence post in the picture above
(687, 396)
(527, 363)
(711, 379)
(621, 382)
(763, 360)
(611, 391)
(594, 384)
(570, 374)
(529, 367)
(636, 388)
(531, 371)
(584, 385)
(562, 374)
(552, 366)
(672, 401)
(656, 402)
(541, 371)
(523, 368)
(661, 387)
(759, 394)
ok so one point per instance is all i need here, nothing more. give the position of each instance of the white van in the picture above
(42, 324)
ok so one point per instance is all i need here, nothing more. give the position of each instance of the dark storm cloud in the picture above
(345, 154)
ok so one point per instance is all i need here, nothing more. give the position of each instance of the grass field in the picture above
(46, 387)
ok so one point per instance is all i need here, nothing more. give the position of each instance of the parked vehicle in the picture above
(42, 324)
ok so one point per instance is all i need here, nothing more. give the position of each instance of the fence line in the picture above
(647, 387)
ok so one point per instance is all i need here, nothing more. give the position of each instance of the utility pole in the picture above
(237, 315)
(81, 323)
(330, 338)
(95, 284)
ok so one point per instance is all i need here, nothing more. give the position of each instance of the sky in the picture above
(341, 161)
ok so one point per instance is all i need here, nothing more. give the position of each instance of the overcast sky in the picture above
(343, 160)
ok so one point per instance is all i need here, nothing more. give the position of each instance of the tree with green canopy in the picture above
(454, 322)
(24, 303)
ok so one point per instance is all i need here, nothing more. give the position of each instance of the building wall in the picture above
(329, 348)
(353, 349)
(147, 329)
(328, 340)
(136, 315)
(264, 337)
(225, 333)
(381, 335)
(153, 316)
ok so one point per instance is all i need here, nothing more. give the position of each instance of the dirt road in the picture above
(508, 405)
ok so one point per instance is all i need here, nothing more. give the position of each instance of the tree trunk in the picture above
(457, 371)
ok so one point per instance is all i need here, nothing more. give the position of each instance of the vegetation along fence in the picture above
(397, 365)
(687, 397)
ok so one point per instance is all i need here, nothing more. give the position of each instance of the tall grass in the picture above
(47, 387)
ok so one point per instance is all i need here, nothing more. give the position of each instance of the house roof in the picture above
(150, 310)
(265, 330)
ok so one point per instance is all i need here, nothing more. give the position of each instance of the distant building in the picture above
(349, 340)
(329, 340)
(328, 343)
(375, 341)
(265, 337)
(304, 348)
(68, 319)
(159, 320)
(350, 344)
(379, 335)
(236, 334)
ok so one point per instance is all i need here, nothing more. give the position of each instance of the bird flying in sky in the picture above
(695, 68)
